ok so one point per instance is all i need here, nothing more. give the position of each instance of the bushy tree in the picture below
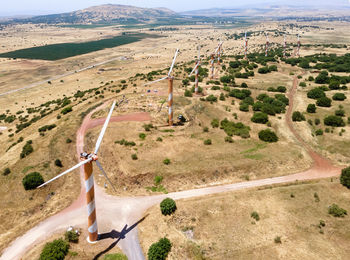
(6, 172)
(311, 108)
(159, 250)
(72, 236)
(32, 180)
(316, 93)
(58, 163)
(168, 206)
(260, 118)
(298, 117)
(345, 177)
(337, 211)
(335, 121)
(55, 250)
(324, 102)
(339, 96)
(66, 110)
(268, 136)
(215, 123)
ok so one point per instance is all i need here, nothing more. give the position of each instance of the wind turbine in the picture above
(217, 53)
(245, 46)
(170, 84)
(86, 161)
(284, 46)
(298, 50)
(196, 70)
(267, 45)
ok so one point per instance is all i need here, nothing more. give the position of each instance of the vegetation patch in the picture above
(232, 128)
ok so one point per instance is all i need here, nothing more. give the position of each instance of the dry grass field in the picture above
(221, 226)
(192, 164)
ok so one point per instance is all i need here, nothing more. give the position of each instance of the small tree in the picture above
(159, 250)
(207, 142)
(6, 172)
(58, 163)
(168, 206)
(72, 236)
(66, 110)
(268, 136)
(166, 161)
(56, 250)
(337, 211)
(142, 136)
(215, 123)
(345, 177)
(335, 121)
(324, 102)
(311, 108)
(32, 180)
(260, 118)
(298, 117)
(339, 97)
(134, 156)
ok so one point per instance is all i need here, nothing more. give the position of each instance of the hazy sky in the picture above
(35, 7)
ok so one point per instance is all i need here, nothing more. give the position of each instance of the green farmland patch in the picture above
(65, 50)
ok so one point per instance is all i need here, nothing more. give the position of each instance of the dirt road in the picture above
(116, 212)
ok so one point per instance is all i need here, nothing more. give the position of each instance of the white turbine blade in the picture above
(195, 67)
(99, 140)
(172, 65)
(245, 37)
(199, 52)
(67, 171)
(149, 83)
(104, 173)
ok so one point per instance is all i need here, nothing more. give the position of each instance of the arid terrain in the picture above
(34, 93)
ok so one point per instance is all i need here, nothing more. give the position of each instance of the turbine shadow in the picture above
(114, 234)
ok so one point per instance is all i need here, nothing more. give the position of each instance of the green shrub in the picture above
(148, 127)
(27, 149)
(159, 250)
(215, 123)
(335, 121)
(68, 140)
(32, 180)
(142, 136)
(58, 163)
(115, 257)
(211, 98)
(134, 156)
(339, 96)
(56, 250)
(158, 179)
(207, 142)
(324, 102)
(311, 108)
(232, 128)
(6, 172)
(336, 211)
(260, 118)
(188, 93)
(71, 236)
(66, 110)
(168, 206)
(268, 136)
(302, 84)
(317, 121)
(159, 139)
(255, 215)
(345, 177)
(298, 117)
(166, 161)
(278, 240)
(340, 112)
(244, 107)
(222, 97)
(316, 93)
(228, 139)
(319, 132)
(206, 129)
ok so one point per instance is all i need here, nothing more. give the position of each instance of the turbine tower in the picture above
(216, 53)
(245, 46)
(86, 161)
(267, 45)
(171, 94)
(298, 50)
(196, 70)
(284, 47)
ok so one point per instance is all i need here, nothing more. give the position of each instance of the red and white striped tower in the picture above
(245, 46)
(284, 46)
(219, 54)
(212, 65)
(267, 45)
(298, 50)
(90, 200)
(171, 101)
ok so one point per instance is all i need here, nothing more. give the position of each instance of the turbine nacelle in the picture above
(92, 156)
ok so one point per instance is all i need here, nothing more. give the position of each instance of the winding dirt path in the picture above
(115, 212)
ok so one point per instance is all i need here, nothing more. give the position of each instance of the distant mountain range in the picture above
(123, 14)
(103, 14)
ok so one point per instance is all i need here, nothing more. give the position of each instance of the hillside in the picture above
(103, 14)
